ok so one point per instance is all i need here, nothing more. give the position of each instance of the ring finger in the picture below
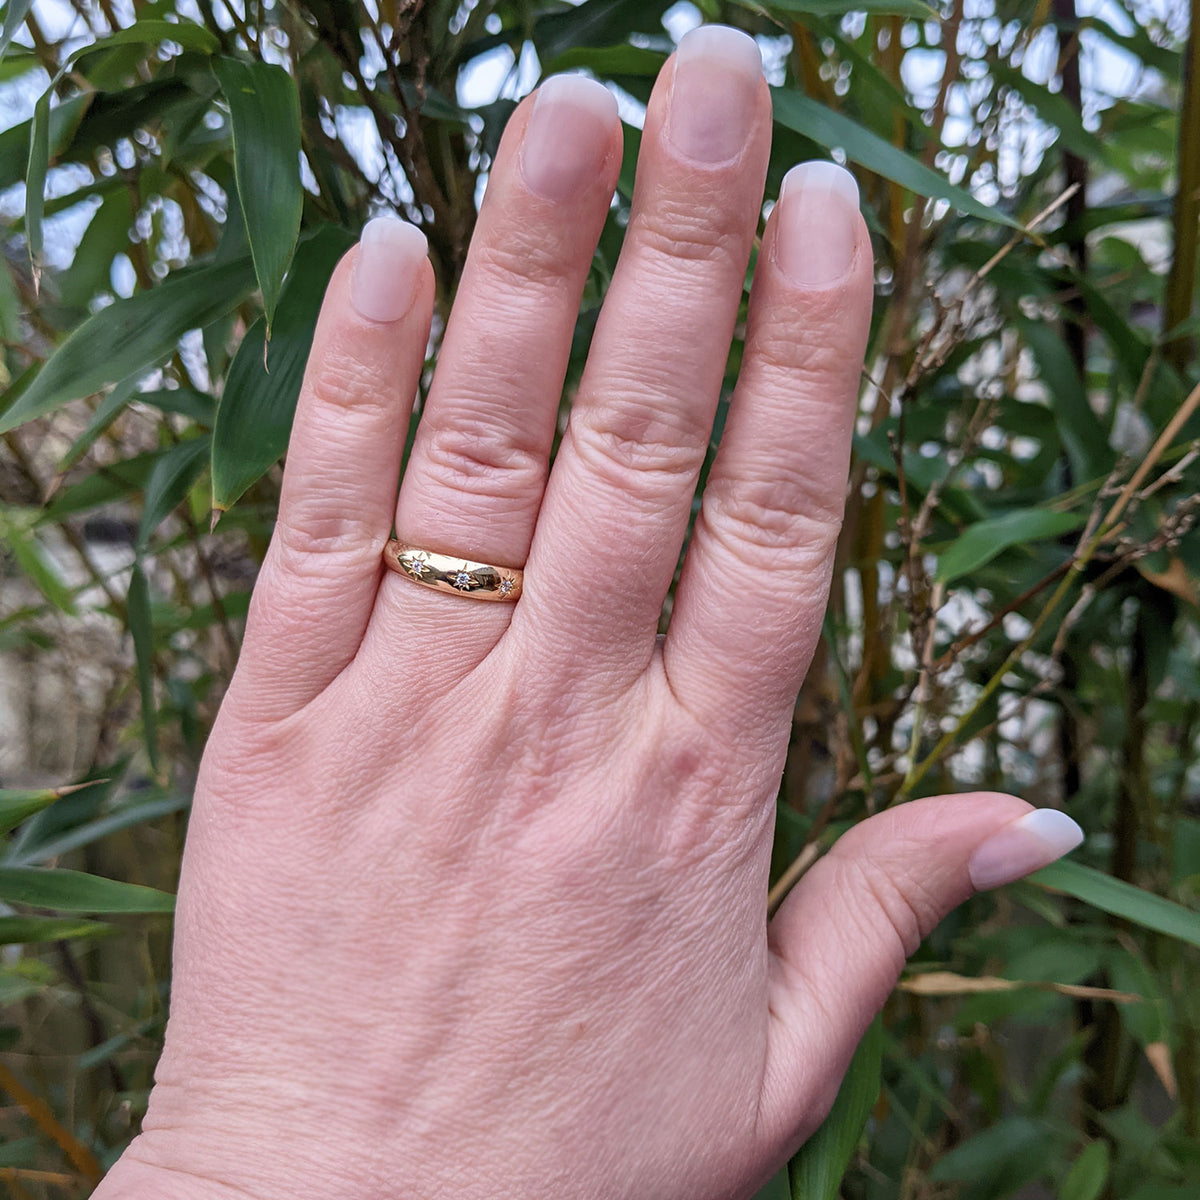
(478, 467)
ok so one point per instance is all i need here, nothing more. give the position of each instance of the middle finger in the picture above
(616, 507)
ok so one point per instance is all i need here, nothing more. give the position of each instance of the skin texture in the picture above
(474, 896)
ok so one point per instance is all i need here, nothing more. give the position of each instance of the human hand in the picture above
(474, 895)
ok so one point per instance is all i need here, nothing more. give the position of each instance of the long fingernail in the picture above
(386, 268)
(817, 224)
(714, 91)
(1027, 844)
(569, 131)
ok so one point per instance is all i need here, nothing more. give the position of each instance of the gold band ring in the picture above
(458, 576)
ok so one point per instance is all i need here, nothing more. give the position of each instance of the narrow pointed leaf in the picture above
(131, 335)
(817, 1169)
(1088, 1174)
(153, 32)
(35, 179)
(255, 415)
(138, 610)
(839, 8)
(15, 12)
(981, 542)
(265, 112)
(1121, 899)
(16, 804)
(830, 129)
(78, 892)
(14, 930)
(169, 483)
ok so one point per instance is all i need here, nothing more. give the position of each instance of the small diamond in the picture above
(463, 580)
(506, 586)
(417, 567)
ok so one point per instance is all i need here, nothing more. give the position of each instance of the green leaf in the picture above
(131, 335)
(15, 12)
(14, 141)
(1088, 1173)
(1079, 428)
(169, 483)
(77, 892)
(265, 111)
(981, 542)
(1003, 1157)
(123, 817)
(1121, 899)
(255, 415)
(46, 929)
(596, 23)
(106, 483)
(141, 629)
(16, 528)
(35, 178)
(16, 804)
(153, 32)
(830, 129)
(839, 8)
(817, 1169)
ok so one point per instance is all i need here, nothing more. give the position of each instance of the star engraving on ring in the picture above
(417, 565)
(506, 586)
(463, 580)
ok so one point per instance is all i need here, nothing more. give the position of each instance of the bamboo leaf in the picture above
(169, 483)
(35, 179)
(839, 8)
(255, 415)
(832, 130)
(16, 804)
(265, 112)
(78, 892)
(817, 1169)
(15, 12)
(1121, 899)
(981, 542)
(15, 930)
(140, 628)
(130, 336)
(123, 817)
(1088, 1173)
(16, 526)
(153, 32)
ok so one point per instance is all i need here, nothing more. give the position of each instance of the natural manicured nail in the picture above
(1027, 844)
(714, 92)
(386, 269)
(817, 222)
(568, 135)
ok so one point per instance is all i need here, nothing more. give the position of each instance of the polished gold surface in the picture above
(457, 576)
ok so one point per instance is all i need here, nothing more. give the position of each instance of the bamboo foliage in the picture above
(1017, 591)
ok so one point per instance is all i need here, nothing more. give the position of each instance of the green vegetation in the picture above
(1016, 604)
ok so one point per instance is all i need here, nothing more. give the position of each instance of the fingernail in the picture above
(817, 223)
(386, 268)
(1027, 844)
(713, 93)
(569, 131)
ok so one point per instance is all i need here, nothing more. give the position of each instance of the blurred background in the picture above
(1016, 599)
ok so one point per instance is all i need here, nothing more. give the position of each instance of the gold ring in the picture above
(458, 576)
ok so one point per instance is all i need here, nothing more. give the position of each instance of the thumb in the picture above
(841, 938)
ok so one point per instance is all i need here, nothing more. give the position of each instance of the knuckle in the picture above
(326, 531)
(342, 380)
(482, 461)
(679, 232)
(895, 908)
(520, 262)
(638, 441)
(768, 517)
